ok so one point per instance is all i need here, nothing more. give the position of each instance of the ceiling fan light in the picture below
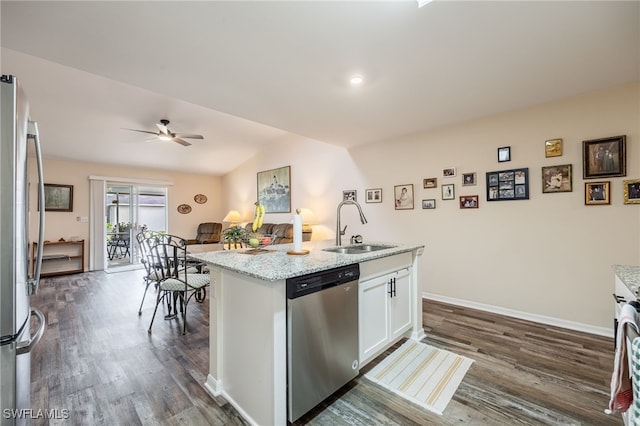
(164, 138)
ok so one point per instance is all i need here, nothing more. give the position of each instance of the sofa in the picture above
(283, 232)
(208, 232)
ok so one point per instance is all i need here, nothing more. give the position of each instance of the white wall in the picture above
(185, 187)
(319, 173)
(549, 256)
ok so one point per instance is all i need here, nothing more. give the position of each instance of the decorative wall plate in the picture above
(200, 198)
(184, 208)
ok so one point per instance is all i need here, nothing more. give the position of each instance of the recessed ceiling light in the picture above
(356, 80)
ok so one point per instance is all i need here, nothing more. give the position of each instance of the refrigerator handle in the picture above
(32, 285)
(24, 348)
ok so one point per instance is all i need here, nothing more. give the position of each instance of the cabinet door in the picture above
(400, 309)
(373, 316)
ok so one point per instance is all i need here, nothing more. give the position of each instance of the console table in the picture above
(61, 257)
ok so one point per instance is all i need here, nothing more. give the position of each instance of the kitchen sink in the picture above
(358, 249)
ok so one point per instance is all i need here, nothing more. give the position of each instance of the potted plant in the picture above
(233, 235)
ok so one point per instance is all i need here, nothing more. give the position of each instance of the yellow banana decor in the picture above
(259, 217)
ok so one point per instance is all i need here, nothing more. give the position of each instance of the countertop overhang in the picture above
(630, 276)
(276, 264)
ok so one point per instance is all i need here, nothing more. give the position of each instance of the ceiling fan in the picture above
(165, 134)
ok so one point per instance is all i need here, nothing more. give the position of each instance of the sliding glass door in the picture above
(129, 209)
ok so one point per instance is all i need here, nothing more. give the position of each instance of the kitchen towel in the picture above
(621, 391)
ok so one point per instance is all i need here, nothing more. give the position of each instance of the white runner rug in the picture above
(423, 374)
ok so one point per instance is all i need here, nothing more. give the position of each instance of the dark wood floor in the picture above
(97, 361)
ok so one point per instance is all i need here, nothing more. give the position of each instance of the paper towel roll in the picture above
(297, 232)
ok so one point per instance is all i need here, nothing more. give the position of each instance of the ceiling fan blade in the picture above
(181, 141)
(163, 129)
(187, 136)
(141, 131)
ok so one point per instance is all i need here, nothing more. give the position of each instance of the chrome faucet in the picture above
(341, 232)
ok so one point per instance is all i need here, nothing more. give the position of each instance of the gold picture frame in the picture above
(597, 193)
(428, 183)
(631, 190)
(553, 148)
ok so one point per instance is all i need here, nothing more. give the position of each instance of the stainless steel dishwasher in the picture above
(322, 336)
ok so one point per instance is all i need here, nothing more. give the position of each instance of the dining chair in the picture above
(175, 274)
(151, 275)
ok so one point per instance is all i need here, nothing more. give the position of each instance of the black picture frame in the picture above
(350, 195)
(274, 189)
(605, 157)
(505, 185)
(429, 203)
(557, 178)
(504, 154)
(58, 198)
(468, 179)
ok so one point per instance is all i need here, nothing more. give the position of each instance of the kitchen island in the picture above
(248, 309)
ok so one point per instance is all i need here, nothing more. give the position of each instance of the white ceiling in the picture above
(245, 74)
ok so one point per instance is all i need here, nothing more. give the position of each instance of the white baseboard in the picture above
(557, 322)
(213, 386)
(417, 335)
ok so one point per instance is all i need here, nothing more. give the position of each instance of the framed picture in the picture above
(553, 148)
(403, 195)
(468, 201)
(349, 194)
(448, 192)
(508, 185)
(274, 190)
(468, 179)
(373, 195)
(504, 154)
(605, 157)
(557, 179)
(58, 198)
(429, 183)
(450, 172)
(631, 189)
(429, 204)
(596, 193)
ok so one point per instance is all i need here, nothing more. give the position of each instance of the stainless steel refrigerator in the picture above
(17, 133)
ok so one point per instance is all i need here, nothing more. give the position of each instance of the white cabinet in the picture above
(384, 313)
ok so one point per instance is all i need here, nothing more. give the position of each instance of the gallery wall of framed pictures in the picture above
(601, 158)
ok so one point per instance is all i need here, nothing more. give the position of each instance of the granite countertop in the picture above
(629, 275)
(277, 265)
